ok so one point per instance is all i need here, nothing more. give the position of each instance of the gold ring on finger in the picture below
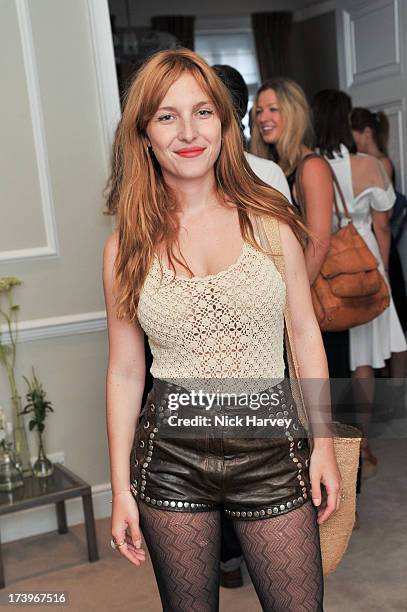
(115, 545)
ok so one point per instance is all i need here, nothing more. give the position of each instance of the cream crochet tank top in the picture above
(228, 325)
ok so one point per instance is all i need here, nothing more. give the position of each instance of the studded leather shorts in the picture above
(249, 476)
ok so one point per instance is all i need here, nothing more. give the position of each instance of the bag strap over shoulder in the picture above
(300, 187)
(269, 235)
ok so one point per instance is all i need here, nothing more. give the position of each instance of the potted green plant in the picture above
(8, 351)
(38, 407)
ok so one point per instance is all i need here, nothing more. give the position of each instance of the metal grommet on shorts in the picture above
(171, 468)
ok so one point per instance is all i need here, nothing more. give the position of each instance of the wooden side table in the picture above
(55, 489)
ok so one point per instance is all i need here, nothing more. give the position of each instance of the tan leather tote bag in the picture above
(350, 289)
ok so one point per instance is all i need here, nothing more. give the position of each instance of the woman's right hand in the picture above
(125, 515)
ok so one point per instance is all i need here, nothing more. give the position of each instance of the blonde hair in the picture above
(138, 195)
(297, 128)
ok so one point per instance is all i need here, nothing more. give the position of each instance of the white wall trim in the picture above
(105, 69)
(55, 327)
(349, 46)
(315, 10)
(51, 249)
(354, 76)
(35, 521)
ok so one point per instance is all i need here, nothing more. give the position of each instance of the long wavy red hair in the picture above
(144, 204)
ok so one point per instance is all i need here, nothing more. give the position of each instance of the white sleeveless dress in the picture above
(372, 343)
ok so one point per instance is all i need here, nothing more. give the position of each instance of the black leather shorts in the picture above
(250, 475)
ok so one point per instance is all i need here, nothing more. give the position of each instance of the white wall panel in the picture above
(27, 228)
(372, 40)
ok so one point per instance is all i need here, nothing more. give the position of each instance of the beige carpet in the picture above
(371, 577)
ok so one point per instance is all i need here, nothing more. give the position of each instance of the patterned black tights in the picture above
(282, 555)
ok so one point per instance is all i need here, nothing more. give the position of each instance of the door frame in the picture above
(105, 70)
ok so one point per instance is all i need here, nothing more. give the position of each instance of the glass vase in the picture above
(10, 476)
(43, 466)
(21, 450)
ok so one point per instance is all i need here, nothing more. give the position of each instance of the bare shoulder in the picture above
(290, 244)
(109, 257)
(365, 162)
(388, 166)
(110, 250)
(291, 249)
(316, 169)
(111, 245)
(369, 171)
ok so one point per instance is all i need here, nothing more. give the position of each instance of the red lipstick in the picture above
(190, 151)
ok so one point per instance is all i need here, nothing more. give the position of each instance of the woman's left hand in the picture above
(324, 469)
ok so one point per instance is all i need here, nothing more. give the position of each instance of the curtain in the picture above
(272, 36)
(181, 26)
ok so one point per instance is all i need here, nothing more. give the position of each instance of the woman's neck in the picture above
(306, 150)
(372, 149)
(193, 194)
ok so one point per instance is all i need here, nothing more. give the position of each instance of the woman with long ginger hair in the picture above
(186, 199)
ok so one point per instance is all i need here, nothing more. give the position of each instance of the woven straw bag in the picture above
(336, 531)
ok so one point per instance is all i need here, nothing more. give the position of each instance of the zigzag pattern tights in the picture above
(282, 554)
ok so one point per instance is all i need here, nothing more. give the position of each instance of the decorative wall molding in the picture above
(348, 50)
(55, 327)
(51, 249)
(105, 69)
(352, 21)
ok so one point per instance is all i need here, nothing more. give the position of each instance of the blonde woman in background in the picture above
(282, 131)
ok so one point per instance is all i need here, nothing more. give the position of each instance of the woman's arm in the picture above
(125, 378)
(388, 166)
(319, 195)
(381, 226)
(124, 391)
(389, 169)
(314, 374)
